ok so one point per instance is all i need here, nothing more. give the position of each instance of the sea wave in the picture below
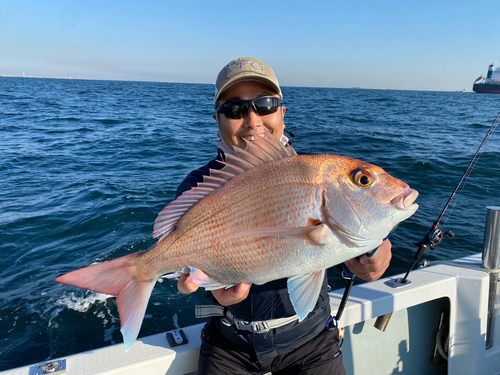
(88, 165)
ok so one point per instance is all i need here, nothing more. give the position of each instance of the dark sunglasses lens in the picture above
(266, 106)
(239, 109)
(234, 110)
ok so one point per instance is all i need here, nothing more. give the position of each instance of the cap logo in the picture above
(244, 66)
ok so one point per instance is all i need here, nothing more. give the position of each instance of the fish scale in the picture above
(238, 254)
(290, 217)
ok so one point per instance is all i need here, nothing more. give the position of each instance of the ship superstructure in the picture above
(490, 84)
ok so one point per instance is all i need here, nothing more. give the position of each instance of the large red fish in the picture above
(268, 214)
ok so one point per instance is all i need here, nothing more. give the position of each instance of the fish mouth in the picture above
(405, 200)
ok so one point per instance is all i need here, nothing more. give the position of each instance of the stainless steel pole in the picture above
(491, 262)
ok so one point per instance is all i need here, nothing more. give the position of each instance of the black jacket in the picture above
(267, 301)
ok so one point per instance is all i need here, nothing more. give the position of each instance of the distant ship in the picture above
(490, 84)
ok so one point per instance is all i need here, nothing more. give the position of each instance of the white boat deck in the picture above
(405, 347)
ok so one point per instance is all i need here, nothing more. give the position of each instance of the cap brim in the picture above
(249, 78)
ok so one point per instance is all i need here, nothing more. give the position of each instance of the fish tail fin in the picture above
(117, 277)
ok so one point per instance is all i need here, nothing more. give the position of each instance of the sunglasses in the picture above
(237, 109)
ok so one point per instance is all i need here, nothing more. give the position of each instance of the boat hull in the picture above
(486, 88)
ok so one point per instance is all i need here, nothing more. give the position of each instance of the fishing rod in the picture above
(435, 235)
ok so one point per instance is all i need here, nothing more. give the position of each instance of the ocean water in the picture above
(86, 166)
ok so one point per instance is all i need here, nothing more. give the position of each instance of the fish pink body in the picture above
(269, 214)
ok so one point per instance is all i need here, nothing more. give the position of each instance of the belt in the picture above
(260, 326)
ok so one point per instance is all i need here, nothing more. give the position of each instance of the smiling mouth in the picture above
(252, 137)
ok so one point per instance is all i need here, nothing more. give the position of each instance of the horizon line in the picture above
(213, 84)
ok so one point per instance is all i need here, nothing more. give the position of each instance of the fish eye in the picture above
(363, 178)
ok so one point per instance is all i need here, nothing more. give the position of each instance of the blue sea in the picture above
(85, 167)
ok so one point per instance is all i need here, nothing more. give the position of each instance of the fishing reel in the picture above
(431, 240)
(434, 238)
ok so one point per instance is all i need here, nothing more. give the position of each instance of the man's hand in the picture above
(233, 295)
(186, 284)
(226, 297)
(370, 269)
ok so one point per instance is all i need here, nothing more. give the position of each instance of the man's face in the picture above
(233, 130)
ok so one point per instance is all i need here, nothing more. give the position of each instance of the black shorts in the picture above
(319, 356)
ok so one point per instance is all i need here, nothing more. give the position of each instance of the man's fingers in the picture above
(363, 265)
(242, 289)
(233, 295)
(370, 269)
(382, 254)
(186, 284)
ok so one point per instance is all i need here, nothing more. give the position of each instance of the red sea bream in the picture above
(268, 214)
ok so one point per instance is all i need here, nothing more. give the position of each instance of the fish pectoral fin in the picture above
(317, 234)
(202, 279)
(304, 291)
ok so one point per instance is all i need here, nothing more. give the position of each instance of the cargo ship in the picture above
(490, 84)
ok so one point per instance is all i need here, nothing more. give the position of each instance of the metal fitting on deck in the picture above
(491, 262)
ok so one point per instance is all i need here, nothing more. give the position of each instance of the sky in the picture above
(386, 44)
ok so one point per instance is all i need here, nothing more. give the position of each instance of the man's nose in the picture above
(252, 120)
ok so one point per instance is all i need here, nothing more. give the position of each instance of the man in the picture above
(248, 97)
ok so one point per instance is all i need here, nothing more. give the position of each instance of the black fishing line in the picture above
(436, 235)
(475, 160)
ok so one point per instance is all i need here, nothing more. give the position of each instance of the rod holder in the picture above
(382, 321)
(491, 262)
(491, 248)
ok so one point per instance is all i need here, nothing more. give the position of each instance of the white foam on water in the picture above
(108, 332)
(82, 303)
(13, 325)
(175, 318)
(101, 315)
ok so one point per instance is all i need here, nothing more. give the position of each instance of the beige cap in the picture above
(245, 69)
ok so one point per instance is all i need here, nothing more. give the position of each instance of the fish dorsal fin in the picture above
(257, 152)
(171, 214)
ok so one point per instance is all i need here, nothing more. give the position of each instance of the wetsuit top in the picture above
(265, 302)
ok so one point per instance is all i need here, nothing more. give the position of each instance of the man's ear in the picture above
(283, 109)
